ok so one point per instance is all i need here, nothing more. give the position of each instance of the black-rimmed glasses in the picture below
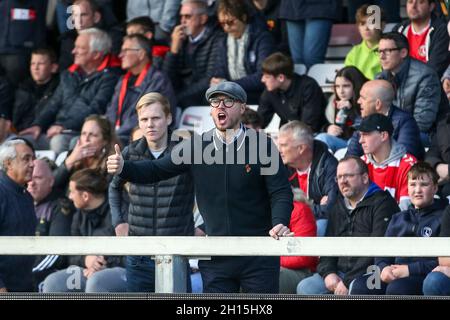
(386, 51)
(227, 102)
(346, 176)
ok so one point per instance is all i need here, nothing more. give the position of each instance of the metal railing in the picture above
(171, 252)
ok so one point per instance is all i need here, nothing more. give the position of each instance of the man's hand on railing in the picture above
(3, 290)
(115, 161)
(280, 230)
(199, 232)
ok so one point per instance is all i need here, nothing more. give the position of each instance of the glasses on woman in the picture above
(227, 102)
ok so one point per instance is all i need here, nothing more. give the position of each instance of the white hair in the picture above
(300, 132)
(99, 40)
(8, 151)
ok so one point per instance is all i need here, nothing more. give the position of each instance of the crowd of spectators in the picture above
(88, 79)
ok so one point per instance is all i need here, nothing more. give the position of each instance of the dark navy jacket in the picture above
(17, 218)
(25, 33)
(406, 132)
(234, 199)
(413, 222)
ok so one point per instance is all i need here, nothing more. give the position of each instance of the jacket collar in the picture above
(109, 61)
(238, 140)
(438, 204)
(11, 184)
(97, 215)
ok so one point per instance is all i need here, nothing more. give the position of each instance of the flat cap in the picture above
(228, 88)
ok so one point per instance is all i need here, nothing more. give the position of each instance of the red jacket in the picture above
(303, 224)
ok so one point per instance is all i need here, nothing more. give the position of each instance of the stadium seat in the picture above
(273, 126)
(196, 118)
(61, 157)
(324, 74)
(49, 154)
(339, 154)
(300, 69)
(389, 27)
(344, 34)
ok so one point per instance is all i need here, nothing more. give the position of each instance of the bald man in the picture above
(54, 218)
(376, 96)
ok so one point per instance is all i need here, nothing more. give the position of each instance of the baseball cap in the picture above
(376, 122)
(229, 88)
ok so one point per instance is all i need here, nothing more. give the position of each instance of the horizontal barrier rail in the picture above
(228, 246)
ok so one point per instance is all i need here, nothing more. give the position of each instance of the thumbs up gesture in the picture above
(115, 161)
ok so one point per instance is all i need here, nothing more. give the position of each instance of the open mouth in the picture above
(222, 117)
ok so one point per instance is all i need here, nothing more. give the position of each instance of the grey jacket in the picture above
(418, 92)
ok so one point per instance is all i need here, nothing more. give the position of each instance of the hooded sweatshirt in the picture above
(392, 174)
(424, 222)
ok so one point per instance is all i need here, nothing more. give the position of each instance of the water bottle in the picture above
(341, 117)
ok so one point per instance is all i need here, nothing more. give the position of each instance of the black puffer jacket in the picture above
(190, 72)
(370, 218)
(158, 209)
(30, 100)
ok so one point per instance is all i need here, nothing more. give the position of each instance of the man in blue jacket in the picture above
(16, 212)
(376, 96)
(241, 189)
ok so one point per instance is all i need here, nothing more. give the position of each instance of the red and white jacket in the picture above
(392, 174)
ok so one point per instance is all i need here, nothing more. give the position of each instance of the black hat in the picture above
(376, 122)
